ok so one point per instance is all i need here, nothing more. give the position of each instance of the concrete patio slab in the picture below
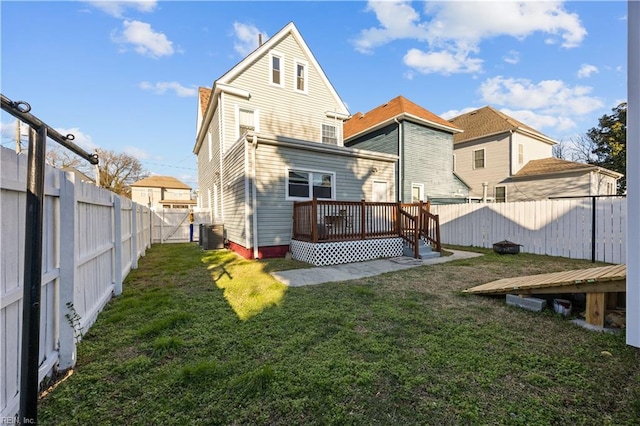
(352, 271)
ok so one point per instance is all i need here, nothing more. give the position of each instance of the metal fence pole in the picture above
(32, 277)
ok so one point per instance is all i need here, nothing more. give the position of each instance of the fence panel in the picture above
(78, 265)
(553, 227)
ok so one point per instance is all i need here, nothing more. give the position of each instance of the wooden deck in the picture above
(595, 282)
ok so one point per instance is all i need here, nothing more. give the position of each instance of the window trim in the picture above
(311, 172)
(276, 54)
(495, 194)
(420, 186)
(454, 162)
(256, 119)
(484, 158)
(335, 127)
(304, 64)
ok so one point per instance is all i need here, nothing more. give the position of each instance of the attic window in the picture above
(276, 65)
(301, 77)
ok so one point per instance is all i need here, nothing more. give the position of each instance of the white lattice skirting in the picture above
(321, 254)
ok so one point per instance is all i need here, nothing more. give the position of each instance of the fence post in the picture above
(117, 244)
(134, 236)
(68, 259)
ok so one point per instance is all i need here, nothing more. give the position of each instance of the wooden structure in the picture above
(320, 221)
(597, 283)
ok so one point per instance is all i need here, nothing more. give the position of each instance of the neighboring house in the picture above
(79, 175)
(269, 132)
(504, 160)
(552, 177)
(159, 192)
(423, 143)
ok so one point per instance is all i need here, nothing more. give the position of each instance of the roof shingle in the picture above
(161, 182)
(488, 121)
(552, 165)
(397, 106)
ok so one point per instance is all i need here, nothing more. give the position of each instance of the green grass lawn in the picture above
(208, 338)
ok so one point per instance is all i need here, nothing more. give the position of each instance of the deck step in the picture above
(424, 251)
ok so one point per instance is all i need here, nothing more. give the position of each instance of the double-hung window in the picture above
(478, 159)
(300, 84)
(303, 184)
(501, 194)
(276, 67)
(329, 134)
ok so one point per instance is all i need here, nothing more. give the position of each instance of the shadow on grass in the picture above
(246, 286)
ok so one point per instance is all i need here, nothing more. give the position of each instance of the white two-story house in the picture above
(269, 132)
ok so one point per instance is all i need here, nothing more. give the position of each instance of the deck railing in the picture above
(326, 221)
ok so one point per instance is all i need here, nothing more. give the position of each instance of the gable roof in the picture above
(488, 121)
(222, 84)
(397, 108)
(161, 182)
(548, 166)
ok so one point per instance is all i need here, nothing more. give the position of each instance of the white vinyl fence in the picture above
(561, 227)
(92, 238)
(172, 225)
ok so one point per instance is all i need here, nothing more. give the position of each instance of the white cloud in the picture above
(454, 30)
(397, 20)
(136, 152)
(513, 57)
(246, 38)
(162, 87)
(145, 40)
(540, 120)
(586, 70)
(441, 62)
(81, 139)
(117, 8)
(549, 96)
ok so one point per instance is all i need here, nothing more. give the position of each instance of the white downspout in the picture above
(254, 196)
(220, 153)
(400, 168)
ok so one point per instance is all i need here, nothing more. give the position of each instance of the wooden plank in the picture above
(601, 279)
(595, 309)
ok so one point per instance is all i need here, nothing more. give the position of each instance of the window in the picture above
(306, 184)
(501, 194)
(329, 134)
(277, 62)
(246, 121)
(301, 77)
(520, 153)
(417, 192)
(478, 159)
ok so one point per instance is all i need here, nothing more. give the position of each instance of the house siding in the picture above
(282, 110)
(496, 168)
(354, 181)
(382, 140)
(209, 165)
(533, 149)
(234, 194)
(567, 185)
(427, 159)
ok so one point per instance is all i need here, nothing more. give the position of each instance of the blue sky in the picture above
(124, 75)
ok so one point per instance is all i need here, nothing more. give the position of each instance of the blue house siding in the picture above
(428, 160)
(382, 140)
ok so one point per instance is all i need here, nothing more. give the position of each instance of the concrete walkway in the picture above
(351, 271)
